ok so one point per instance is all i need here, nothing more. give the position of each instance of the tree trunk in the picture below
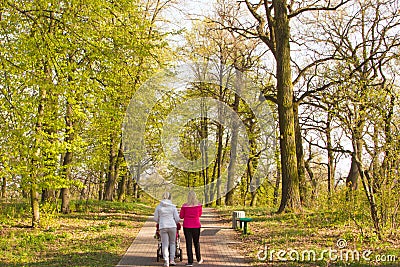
(311, 175)
(253, 201)
(101, 184)
(4, 188)
(301, 169)
(388, 163)
(117, 169)
(65, 200)
(111, 175)
(136, 191)
(234, 140)
(204, 152)
(368, 185)
(122, 188)
(48, 195)
(211, 189)
(101, 191)
(219, 159)
(66, 166)
(249, 176)
(290, 178)
(354, 174)
(85, 191)
(35, 206)
(136, 184)
(35, 167)
(253, 183)
(219, 133)
(65, 194)
(331, 166)
(356, 158)
(129, 183)
(278, 176)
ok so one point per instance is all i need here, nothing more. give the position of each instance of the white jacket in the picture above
(166, 214)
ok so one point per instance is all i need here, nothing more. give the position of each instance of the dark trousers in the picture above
(192, 236)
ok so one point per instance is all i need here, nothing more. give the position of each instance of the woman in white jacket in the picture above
(166, 215)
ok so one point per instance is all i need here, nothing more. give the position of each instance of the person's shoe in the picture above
(200, 261)
(166, 264)
(172, 263)
(189, 264)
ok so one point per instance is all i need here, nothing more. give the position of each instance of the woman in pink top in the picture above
(190, 213)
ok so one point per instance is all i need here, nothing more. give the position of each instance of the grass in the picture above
(98, 234)
(94, 234)
(296, 235)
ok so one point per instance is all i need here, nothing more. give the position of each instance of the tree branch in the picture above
(314, 63)
(315, 8)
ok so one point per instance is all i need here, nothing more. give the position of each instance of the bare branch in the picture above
(314, 63)
(312, 7)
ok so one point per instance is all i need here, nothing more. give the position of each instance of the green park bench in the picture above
(239, 216)
(244, 221)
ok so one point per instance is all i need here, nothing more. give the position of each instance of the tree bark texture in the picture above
(111, 174)
(4, 188)
(234, 141)
(65, 194)
(35, 206)
(301, 169)
(331, 166)
(290, 178)
(35, 165)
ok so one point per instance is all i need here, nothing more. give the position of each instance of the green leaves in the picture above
(89, 56)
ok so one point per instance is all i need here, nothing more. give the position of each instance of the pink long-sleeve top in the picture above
(191, 215)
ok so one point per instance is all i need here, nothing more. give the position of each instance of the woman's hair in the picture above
(167, 195)
(192, 199)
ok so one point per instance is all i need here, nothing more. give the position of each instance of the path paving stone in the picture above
(214, 243)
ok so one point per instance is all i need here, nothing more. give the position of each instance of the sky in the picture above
(181, 15)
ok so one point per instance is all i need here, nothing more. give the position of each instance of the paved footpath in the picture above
(214, 240)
